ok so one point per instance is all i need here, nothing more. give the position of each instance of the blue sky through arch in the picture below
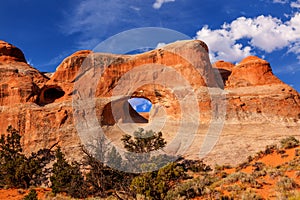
(140, 104)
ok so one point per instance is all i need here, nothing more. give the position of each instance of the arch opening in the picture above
(133, 110)
(49, 94)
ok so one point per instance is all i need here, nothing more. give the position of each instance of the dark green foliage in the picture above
(67, 178)
(297, 152)
(114, 159)
(32, 195)
(289, 142)
(143, 141)
(195, 166)
(192, 188)
(155, 185)
(16, 169)
(103, 180)
(270, 149)
(11, 158)
(142, 155)
(226, 198)
(105, 177)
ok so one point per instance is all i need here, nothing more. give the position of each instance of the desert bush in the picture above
(270, 149)
(258, 166)
(67, 177)
(143, 141)
(226, 198)
(297, 152)
(243, 165)
(232, 178)
(195, 166)
(236, 188)
(11, 158)
(17, 170)
(286, 184)
(250, 195)
(260, 173)
(32, 195)
(274, 172)
(222, 167)
(289, 142)
(155, 185)
(103, 180)
(192, 188)
(140, 148)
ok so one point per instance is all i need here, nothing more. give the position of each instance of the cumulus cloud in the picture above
(265, 33)
(295, 4)
(158, 3)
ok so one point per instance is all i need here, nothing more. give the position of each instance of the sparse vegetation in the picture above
(99, 175)
(32, 195)
(17, 170)
(67, 178)
(289, 142)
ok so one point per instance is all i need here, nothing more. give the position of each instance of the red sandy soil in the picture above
(268, 191)
(19, 194)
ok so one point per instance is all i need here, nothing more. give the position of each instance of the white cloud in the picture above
(158, 3)
(295, 4)
(92, 19)
(281, 1)
(159, 45)
(266, 33)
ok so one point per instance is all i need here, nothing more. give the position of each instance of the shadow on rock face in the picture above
(49, 94)
(120, 110)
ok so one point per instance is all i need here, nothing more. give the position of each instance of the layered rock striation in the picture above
(178, 79)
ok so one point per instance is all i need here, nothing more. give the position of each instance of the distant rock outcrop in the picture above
(42, 107)
(10, 53)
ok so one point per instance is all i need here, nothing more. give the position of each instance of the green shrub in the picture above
(270, 149)
(195, 166)
(289, 142)
(199, 186)
(226, 198)
(249, 195)
(155, 185)
(11, 158)
(32, 195)
(143, 141)
(67, 178)
(17, 170)
(297, 152)
(286, 184)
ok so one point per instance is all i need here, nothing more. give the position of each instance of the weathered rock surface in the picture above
(19, 82)
(91, 89)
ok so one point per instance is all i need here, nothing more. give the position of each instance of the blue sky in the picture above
(48, 31)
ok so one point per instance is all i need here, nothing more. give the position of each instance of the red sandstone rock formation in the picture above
(41, 107)
(19, 82)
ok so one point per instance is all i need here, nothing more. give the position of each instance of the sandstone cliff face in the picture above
(255, 93)
(19, 81)
(176, 78)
